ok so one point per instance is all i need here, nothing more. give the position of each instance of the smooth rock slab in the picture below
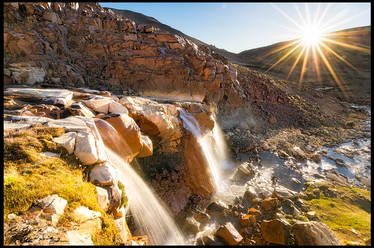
(58, 96)
(67, 141)
(70, 124)
(314, 233)
(117, 108)
(99, 104)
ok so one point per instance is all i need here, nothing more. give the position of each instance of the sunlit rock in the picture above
(102, 198)
(99, 104)
(67, 141)
(275, 231)
(313, 233)
(103, 175)
(120, 134)
(52, 207)
(117, 108)
(85, 148)
(147, 147)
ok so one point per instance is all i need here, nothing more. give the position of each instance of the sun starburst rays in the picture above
(314, 44)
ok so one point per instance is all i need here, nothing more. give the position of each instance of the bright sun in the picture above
(311, 35)
(313, 45)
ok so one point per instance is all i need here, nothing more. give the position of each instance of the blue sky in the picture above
(241, 26)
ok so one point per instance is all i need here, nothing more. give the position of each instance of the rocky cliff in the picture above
(81, 44)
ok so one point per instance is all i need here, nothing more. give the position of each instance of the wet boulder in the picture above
(217, 208)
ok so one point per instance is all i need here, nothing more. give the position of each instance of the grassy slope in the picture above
(29, 176)
(344, 213)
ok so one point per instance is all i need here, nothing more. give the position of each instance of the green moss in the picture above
(341, 214)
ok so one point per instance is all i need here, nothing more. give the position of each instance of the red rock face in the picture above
(198, 177)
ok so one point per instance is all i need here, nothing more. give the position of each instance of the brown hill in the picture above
(357, 83)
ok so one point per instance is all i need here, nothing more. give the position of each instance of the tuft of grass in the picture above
(124, 199)
(109, 234)
(342, 215)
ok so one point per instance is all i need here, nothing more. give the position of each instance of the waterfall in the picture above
(212, 145)
(149, 213)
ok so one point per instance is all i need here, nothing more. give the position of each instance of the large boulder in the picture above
(314, 233)
(154, 119)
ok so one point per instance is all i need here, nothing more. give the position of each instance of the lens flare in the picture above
(314, 44)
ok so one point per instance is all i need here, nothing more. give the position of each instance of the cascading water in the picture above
(212, 146)
(149, 214)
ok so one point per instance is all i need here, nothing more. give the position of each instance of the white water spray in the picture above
(149, 213)
(212, 145)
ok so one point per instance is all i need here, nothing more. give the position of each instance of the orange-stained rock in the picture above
(275, 231)
(246, 220)
(155, 120)
(198, 177)
(147, 147)
(120, 135)
(269, 203)
(128, 130)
